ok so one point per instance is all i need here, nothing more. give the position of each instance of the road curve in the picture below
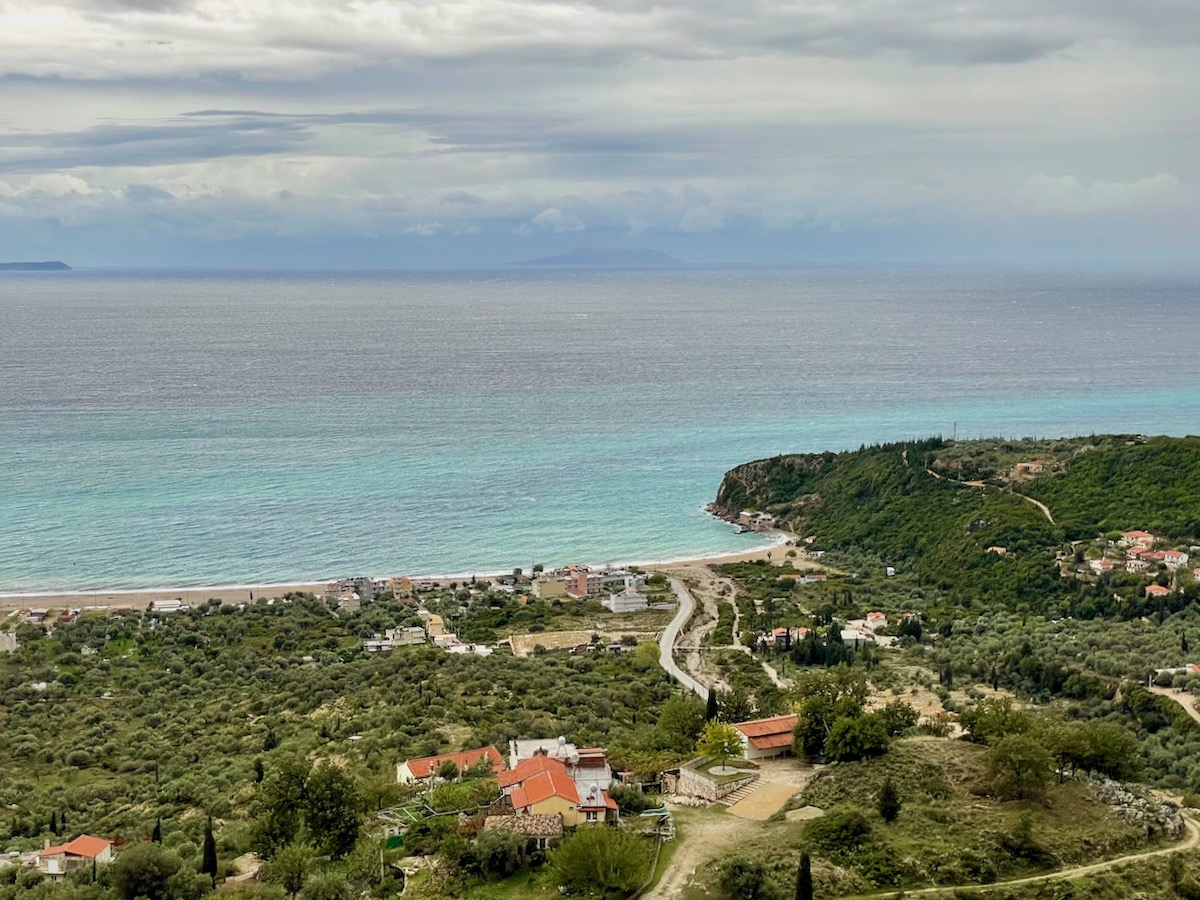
(666, 643)
(1189, 843)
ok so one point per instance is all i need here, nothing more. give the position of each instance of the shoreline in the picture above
(237, 593)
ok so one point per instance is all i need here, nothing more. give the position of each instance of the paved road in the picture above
(666, 643)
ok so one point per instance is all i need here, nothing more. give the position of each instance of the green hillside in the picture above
(908, 504)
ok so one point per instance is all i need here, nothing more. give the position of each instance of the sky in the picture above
(390, 133)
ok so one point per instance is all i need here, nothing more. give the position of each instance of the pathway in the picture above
(1189, 843)
(979, 484)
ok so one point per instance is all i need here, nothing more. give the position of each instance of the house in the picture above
(762, 738)
(628, 600)
(1174, 559)
(425, 769)
(1101, 566)
(1143, 539)
(542, 785)
(549, 588)
(1137, 565)
(56, 862)
(168, 606)
(393, 638)
(542, 832)
(998, 550)
(1157, 590)
(585, 765)
(1196, 573)
(876, 620)
(583, 582)
(1033, 467)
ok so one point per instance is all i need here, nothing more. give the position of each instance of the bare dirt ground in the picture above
(701, 837)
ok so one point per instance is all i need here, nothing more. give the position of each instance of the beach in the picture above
(242, 593)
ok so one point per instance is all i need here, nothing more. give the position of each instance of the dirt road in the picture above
(1189, 843)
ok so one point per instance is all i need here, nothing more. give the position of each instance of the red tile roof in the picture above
(771, 741)
(84, 845)
(427, 766)
(758, 728)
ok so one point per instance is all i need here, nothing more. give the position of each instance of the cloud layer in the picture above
(501, 129)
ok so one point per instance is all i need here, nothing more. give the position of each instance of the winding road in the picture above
(666, 643)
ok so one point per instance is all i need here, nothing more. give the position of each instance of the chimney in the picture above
(46, 844)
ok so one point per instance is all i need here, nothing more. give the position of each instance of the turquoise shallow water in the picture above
(188, 429)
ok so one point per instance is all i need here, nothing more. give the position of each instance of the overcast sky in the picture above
(316, 133)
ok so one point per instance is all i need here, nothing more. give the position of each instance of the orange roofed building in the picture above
(542, 786)
(762, 738)
(425, 769)
(56, 862)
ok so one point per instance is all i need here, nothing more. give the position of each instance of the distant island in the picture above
(50, 266)
(596, 257)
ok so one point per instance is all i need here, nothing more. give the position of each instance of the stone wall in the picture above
(698, 784)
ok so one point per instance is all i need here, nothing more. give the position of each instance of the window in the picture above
(593, 816)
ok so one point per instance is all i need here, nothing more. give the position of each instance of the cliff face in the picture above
(778, 485)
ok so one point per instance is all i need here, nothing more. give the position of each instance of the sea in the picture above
(183, 429)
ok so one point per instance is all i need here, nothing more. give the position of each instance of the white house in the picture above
(629, 600)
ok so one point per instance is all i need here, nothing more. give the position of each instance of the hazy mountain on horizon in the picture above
(595, 256)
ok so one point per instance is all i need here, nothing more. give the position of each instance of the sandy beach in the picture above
(140, 599)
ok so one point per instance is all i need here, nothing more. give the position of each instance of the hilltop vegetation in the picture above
(907, 505)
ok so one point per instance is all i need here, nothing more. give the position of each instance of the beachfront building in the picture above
(56, 862)
(628, 600)
(549, 588)
(583, 582)
(168, 606)
(764, 738)
(425, 769)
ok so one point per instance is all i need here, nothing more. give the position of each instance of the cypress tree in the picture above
(208, 861)
(259, 771)
(156, 834)
(711, 709)
(53, 821)
(804, 885)
(889, 801)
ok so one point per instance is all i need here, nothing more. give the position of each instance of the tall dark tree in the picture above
(156, 834)
(54, 821)
(889, 801)
(804, 885)
(259, 771)
(270, 742)
(711, 709)
(208, 860)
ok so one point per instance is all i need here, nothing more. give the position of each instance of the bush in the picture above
(840, 832)
(601, 859)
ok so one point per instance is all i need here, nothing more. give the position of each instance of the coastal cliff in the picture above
(987, 517)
